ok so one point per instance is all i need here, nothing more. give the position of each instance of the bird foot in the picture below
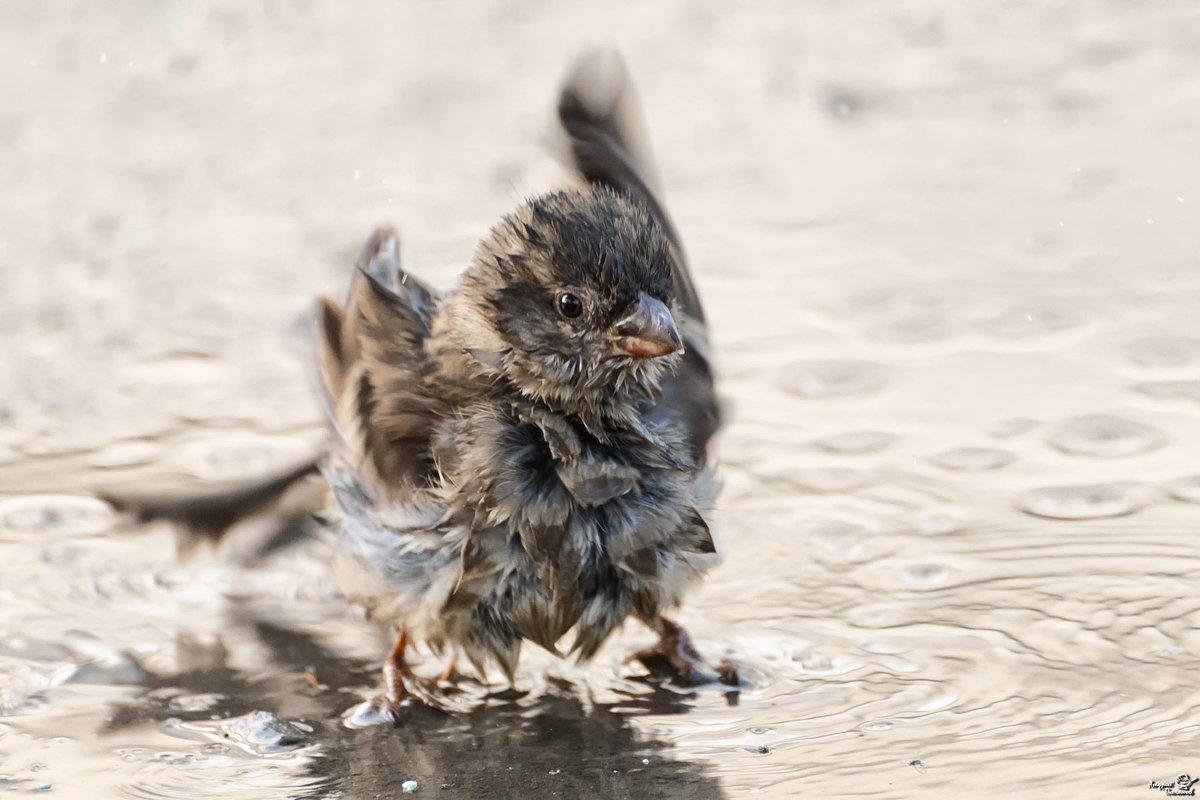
(389, 707)
(675, 656)
(404, 688)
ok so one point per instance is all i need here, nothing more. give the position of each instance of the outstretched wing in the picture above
(376, 374)
(599, 111)
(285, 501)
(374, 369)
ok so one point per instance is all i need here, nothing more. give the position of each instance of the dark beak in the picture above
(648, 332)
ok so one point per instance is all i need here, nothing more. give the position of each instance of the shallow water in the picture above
(949, 253)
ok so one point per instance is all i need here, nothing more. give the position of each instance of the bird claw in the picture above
(728, 674)
(404, 688)
(675, 656)
(389, 708)
(667, 661)
(427, 692)
(379, 710)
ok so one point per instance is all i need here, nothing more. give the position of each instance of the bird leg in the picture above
(402, 684)
(676, 652)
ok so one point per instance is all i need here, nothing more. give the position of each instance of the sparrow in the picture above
(524, 458)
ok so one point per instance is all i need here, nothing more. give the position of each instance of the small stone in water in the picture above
(409, 786)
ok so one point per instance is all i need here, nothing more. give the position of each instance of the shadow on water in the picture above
(512, 744)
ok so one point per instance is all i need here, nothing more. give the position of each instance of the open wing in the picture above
(375, 371)
(599, 111)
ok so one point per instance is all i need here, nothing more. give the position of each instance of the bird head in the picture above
(570, 299)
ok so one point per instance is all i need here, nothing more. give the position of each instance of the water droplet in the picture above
(973, 459)
(1080, 502)
(1105, 436)
(834, 378)
(924, 574)
(855, 442)
(878, 725)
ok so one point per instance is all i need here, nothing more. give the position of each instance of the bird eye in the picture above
(569, 305)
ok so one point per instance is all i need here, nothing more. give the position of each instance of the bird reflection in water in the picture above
(554, 742)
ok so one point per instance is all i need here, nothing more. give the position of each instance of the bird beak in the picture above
(648, 332)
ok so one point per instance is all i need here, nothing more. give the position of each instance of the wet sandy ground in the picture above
(950, 256)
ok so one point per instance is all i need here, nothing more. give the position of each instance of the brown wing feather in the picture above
(599, 111)
(374, 367)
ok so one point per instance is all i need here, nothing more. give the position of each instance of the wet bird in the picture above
(526, 455)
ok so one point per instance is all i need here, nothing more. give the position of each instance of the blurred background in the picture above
(949, 255)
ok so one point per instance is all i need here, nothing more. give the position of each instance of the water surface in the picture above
(949, 253)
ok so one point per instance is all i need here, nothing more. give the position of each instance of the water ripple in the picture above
(833, 378)
(1105, 436)
(1080, 502)
(1170, 390)
(46, 515)
(1186, 489)
(1167, 351)
(973, 459)
(855, 442)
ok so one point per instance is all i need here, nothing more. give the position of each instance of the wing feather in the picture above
(599, 111)
(375, 368)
